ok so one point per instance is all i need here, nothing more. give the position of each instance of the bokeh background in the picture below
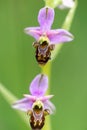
(18, 65)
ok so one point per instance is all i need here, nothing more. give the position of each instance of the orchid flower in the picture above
(37, 89)
(44, 31)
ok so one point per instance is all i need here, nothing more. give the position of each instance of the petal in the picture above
(59, 36)
(30, 97)
(46, 18)
(33, 31)
(44, 98)
(39, 85)
(68, 3)
(50, 106)
(24, 104)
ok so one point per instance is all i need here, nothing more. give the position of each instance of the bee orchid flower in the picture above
(37, 88)
(44, 31)
(45, 37)
(37, 105)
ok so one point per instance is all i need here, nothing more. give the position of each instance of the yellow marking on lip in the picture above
(43, 38)
(38, 103)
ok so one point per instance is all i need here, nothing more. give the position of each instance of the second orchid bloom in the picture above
(37, 105)
(45, 37)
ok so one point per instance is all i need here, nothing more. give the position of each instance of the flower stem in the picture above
(47, 70)
(10, 98)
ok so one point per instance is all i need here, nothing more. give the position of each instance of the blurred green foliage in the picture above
(18, 65)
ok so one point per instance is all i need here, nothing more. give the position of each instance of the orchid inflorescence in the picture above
(37, 104)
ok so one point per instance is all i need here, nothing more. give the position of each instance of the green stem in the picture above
(10, 98)
(47, 70)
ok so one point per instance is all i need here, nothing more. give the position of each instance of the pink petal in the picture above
(24, 104)
(44, 98)
(59, 36)
(50, 106)
(39, 85)
(46, 18)
(33, 31)
(30, 97)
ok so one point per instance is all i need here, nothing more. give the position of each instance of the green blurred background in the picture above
(18, 65)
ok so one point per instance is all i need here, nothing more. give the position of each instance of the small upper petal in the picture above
(59, 36)
(33, 31)
(23, 104)
(30, 97)
(39, 85)
(44, 98)
(46, 18)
